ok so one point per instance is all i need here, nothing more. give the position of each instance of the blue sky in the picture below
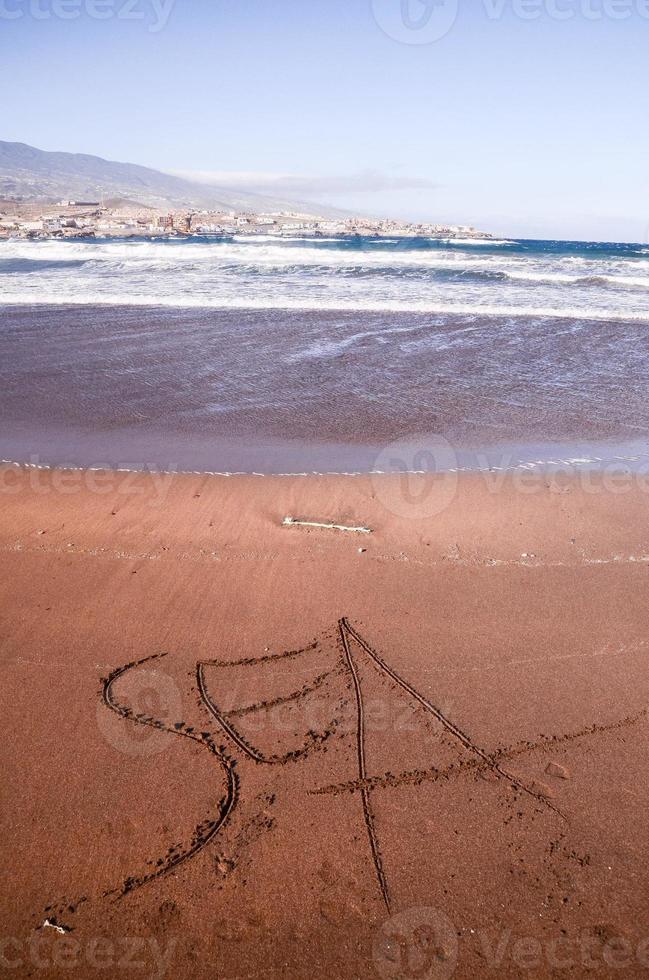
(513, 120)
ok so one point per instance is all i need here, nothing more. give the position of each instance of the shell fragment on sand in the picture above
(49, 924)
(292, 522)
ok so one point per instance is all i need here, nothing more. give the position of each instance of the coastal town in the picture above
(67, 219)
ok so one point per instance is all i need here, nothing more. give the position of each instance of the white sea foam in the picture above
(640, 282)
(267, 272)
(331, 348)
(473, 241)
(285, 302)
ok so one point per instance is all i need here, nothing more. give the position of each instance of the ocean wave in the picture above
(629, 282)
(472, 242)
(283, 302)
(635, 282)
(11, 266)
(454, 273)
(270, 252)
(279, 274)
(255, 239)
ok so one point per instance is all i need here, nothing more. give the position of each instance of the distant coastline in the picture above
(127, 219)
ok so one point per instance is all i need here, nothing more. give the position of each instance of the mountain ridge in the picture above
(32, 174)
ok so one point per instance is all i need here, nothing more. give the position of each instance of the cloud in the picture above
(367, 181)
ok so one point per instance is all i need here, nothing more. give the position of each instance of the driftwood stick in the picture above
(292, 522)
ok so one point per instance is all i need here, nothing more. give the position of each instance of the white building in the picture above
(333, 227)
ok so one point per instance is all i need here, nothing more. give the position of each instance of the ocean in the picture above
(292, 355)
(565, 279)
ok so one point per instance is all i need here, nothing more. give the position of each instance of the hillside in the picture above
(32, 174)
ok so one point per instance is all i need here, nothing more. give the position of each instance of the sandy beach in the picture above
(237, 748)
(324, 490)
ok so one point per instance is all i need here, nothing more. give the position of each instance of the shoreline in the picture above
(418, 507)
(567, 459)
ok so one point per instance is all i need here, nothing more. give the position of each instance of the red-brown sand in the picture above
(419, 752)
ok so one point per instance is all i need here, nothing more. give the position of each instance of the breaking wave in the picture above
(489, 277)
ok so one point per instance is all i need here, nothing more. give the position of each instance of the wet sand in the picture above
(287, 391)
(234, 748)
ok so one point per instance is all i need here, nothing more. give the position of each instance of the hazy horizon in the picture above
(510, 116)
